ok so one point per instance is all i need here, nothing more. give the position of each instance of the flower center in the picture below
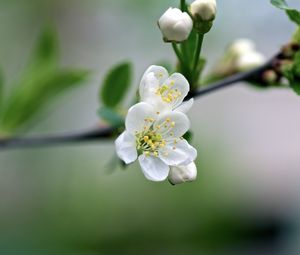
(168, 93)
(154, 137)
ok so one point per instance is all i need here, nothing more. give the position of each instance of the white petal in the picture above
(135, 119)
(185, 106)
(149, 87)
(153, 168)
(181, 84)
(126, 147)
(159, 75)
(164, 122)
(181, 174)
(178, 153)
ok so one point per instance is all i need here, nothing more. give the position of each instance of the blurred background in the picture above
(66, 200)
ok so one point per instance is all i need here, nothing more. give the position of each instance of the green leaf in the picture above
(34, 93)
(46, 51)
(111, 116)
(296, 67)
(293, 14)
(116, 84)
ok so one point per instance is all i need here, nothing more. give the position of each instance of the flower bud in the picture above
(204, 10)
(240, 47)
(250, 60)
(175, 25)
(181, 174)
(270, 77)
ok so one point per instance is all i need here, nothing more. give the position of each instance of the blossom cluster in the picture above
(155, 126)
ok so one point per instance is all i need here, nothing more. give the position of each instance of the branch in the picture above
(231, 80)
(107, 132)
(38, 141)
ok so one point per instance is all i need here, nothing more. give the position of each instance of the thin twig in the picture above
(107, 132)
(39, 141)
(229, 81)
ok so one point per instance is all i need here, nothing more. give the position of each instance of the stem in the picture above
(180, 58)
(199, 43)
(182, 5)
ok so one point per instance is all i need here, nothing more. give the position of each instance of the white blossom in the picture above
(155, 140)
(164, 92)
(175, 25)
(204, 10)
(181, 174)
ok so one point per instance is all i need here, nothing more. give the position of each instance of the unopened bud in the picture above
(270, 77)
(181, 174)
(240, 47)
(203, 12)
(250, 60)
(175, 25)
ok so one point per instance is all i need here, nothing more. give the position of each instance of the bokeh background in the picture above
(66, 200)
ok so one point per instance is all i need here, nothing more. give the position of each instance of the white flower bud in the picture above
(250, 60)
(204, 10)
(175, 25)
(241, 46)
(181, 174)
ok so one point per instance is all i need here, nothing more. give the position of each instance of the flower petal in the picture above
(135, 120)
(181, 174)
(172, 124)
(153, 168)
(179, 83)
(178, 152)
(185, 106)
(158, 75)
(126, 147)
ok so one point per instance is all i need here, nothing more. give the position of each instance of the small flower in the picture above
(163, 92)
(175, 25)
(204, 10)
(181, 174)
(155, 140)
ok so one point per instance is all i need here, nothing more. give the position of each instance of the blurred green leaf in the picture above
(41, 82)
(111, 116)
(201, 65)
(295, 80)
(45, 55)
(116, 84)
(32, 94)
(1, 89)
(293, 14)
(296, 36)
(296, 67)
(296, 87)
